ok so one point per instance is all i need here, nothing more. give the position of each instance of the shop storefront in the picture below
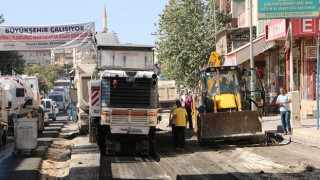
(305, 32)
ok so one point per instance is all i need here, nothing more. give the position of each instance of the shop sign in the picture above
(282, 9)
(231, 60)
(306, 27)
(311, 52)
(275, 29)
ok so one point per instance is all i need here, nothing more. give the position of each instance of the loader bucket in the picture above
(235, 125)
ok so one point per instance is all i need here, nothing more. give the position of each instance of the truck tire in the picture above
(152, 141)
(54, 118)
(4, 137)
(82, 130)
(101, 139)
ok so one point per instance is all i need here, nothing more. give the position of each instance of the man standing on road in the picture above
(283, 100)
(180, 118)
(188, 106)
(172, 123)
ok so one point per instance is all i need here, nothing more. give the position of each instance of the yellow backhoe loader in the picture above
(226, 109)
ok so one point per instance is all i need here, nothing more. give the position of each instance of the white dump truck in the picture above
(83, 73)
(168, 93)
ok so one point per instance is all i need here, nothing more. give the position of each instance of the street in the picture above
(217, 161)
(53, 159)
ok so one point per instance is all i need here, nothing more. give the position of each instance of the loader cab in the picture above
(228, 89)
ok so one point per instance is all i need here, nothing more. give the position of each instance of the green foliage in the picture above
(185, 39)
(1, 19)
(46, 74)
(10, 60)
(223, 19)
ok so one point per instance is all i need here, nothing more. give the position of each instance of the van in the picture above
(59, 98)
(50, 108)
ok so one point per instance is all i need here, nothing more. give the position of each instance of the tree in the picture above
(46, 74)
(1, 19)
(10, 60)
(185, 39)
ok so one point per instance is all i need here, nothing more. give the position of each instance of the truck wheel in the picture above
(1, 136)
(4, 137)
(82, 130)
(152, 140)
(101, 139)
(40, 131)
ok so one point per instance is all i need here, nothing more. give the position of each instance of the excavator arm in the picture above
(214, 60)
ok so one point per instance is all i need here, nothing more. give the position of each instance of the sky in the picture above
(132, 20)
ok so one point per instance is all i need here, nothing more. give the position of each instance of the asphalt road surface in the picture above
(26, 166)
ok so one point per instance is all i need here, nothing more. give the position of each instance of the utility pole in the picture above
(252, 79)
(215, 23)
(291, 57)
(318, 81)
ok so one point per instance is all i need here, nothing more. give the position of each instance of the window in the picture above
(56, 98)
(48, 105)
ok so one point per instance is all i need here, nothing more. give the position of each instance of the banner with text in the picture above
(14, 38)
(283, 9)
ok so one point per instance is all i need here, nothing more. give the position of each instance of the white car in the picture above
(49, 105)
(46, 116)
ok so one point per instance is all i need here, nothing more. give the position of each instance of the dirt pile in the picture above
(56, 165)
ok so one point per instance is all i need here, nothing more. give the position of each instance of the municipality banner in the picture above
(13, 38)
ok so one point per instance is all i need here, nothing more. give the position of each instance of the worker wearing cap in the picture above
(180, 117)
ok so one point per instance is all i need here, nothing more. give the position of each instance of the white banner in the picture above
(14, 38)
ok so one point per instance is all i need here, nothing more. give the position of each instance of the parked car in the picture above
(56, 107)
(50, 108)
(46, 115)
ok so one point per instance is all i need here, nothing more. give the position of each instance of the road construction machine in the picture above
(228, 107)
(124, 99)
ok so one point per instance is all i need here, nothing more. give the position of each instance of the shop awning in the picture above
(242, 54)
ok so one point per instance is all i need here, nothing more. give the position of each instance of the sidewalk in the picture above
(307, 133)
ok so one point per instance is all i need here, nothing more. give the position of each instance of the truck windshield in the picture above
(222, 82)
(127, 59)
(56, 98)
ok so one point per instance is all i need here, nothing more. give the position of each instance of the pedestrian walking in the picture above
(283, 100)
(180, 118)
(188, 106)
